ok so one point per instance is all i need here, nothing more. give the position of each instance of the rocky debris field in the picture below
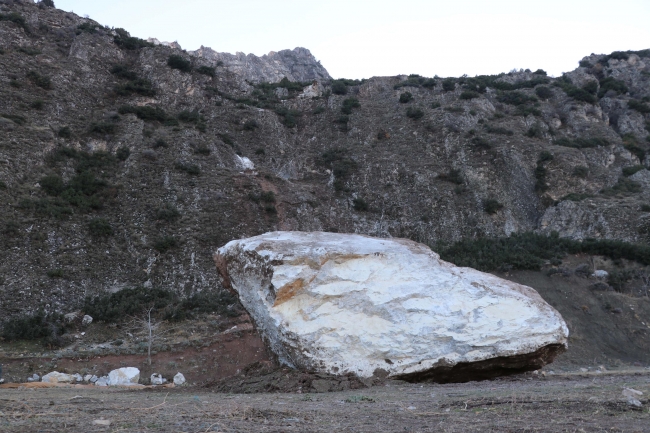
(586, 402)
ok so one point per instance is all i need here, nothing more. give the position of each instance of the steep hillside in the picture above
(126, 164)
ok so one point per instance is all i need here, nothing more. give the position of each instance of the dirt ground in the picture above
(528, 403)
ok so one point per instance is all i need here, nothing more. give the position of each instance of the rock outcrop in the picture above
(342, 303)
(297, 65)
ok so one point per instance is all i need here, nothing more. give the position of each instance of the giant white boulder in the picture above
(344, 303)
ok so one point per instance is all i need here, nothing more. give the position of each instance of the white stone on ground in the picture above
(179, 379)
(337, 303)
(157, 379)
(126, 376)
(56, 377)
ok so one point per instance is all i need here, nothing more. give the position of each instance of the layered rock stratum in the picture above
(344, 303)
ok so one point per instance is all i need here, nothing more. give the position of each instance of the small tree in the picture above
(47, 3)
(147, 322)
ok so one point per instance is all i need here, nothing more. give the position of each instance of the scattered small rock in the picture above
(102, 381)
(87, 320)
(34, 378)
(126, 376)
(157, 379)
(599, 273)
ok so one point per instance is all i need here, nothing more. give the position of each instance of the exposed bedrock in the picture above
(343, 303)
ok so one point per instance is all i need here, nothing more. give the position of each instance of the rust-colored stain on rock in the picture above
(288, 291)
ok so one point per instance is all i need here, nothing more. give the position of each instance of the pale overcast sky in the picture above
(363, 38)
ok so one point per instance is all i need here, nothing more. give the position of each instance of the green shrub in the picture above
(525, 110)
(581, 171)
(545, 156)
(498, 130)
(645, 208)
(491, 206)
(318, 110)
(40, 80)
(581, 143)
(16, 118)
(64, 132)
(405, 97)
(435, 105)
(56, 273)
(260, 151)
(360, 205)
(574, 92)
(339, 88)
(349, 104)
(160, 143)
(119, 306)
(202, 150)
(585, 64)
(189, 116)
(529, 251)
(56, 208)
(341, 165)
(123, 153)
(629, 171)
(206, 70)
(29, 51)
(535, 132)
(631, 143)
(610, 83)
(227, 139)
(222, 302)
(191, 169)
(123, 71)
(140, 86)
(38, 104)
(455, 109)
(515, 98)
(591, 87)
(575, 196)
(414, 80)
(453, 176)
(638, 106)
(87, 27)
(544, 92)
(165, 244)
(103, 128)
(414, 113)
(449, 85)
(469, 95)
(100, 228)
(481, 143)
(146, 113)
(52, 185)
(124, 40)
(624, 186)
(168, 213)
(289, 117)
(17, 19)
(3, 185)
(33, 327)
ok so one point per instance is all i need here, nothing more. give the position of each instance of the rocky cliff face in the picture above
(296, 65)
(118, 170)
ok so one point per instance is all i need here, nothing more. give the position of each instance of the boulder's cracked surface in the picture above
(343, 303)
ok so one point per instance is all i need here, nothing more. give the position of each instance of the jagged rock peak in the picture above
(298, 64)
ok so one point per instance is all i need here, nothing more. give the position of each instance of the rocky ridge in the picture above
(118, 170)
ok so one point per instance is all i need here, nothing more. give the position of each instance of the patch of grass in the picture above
(160, 143)
(359, 399)
(56, 273)
(202, 150)
(574, 92)
(481, 143)
(40, 80)
(515, 98)
(168, 213)
(188, 116)
(453, 176)
(360, 205)
(318, 110)
(405, 97)
(535, 131)
(414, 80)
(38, 104)
(631, 143)
(100, 228)
(227, 139)
(529, 251)
(435, 105)
(414, 113)
(86, 27)
(455, 109)
(140, 86)
(125, 41)
(49, 208)
(251, 125)
(123, 71)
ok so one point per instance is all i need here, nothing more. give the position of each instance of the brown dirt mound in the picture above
(265, 377)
